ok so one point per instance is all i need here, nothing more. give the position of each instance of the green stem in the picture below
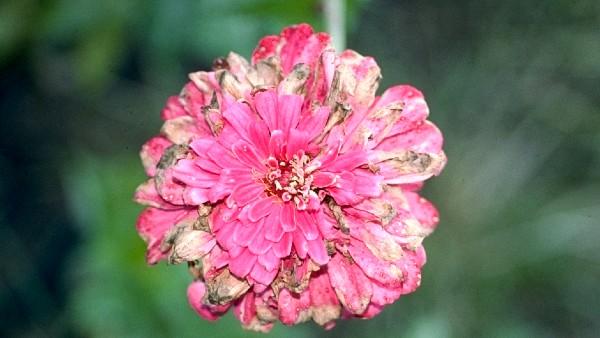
(335, 22)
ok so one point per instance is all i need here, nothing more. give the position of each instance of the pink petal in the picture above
(173, 108)
(189, 173)
(260, 245)
(151, 153)
(288, 107)
(367, 184)
(300, 244)
(195, 294)
(245, 310)
(240, 117)
(380, 270)
(265, 103)
(292, 306)
(423, 210)
(307, 224)
(259, 136)
(284, 246)
(276, 143)
(260, 208)
(323, 179)
(225, 234)
(262, 275)
(352, 287)
(297, 141)
(245, 233)
(384, 295)
(246, 154)
(317, 251)
(314, 123)
(324, 301)
(269, 260)
(347, 161)
(424, 138)
(146, 194)
(246, 192)
(273, 229)
(242, 264)
(288, 217)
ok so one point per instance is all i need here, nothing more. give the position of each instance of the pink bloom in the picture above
(289, 187)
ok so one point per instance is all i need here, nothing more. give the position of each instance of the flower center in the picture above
(291, 180)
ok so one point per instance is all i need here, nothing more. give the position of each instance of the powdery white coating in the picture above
(289, 187)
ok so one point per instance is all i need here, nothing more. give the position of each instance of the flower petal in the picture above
(283, 248)
(352, 287)
(242, 264)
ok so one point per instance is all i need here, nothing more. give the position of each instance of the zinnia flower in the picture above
(289, 187)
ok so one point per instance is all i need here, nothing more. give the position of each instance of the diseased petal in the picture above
(154, 224)
(405, 166)
(293, 307)
(151, 153)
(195, 294)
(191, 245)
(174, 108)
(352, 287)
(324, 302)
(146, 194)
(377, 269)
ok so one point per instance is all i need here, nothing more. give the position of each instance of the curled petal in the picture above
(196, 294)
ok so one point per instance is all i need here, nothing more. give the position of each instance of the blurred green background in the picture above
(514, 85)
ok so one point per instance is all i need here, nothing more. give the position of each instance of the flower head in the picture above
(289, 187)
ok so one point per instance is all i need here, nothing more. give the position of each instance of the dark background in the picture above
(514, 85)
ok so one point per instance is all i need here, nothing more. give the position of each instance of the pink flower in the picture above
(289, 187)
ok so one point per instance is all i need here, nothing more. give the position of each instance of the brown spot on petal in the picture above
(324, 314)
(225, 288)
(212, 116)
(195, 269)
(294, 275)
(189, 245)
(220, 63)
(180, 130)
(336, 210)
(266, 73)
(202, 221)
(295, 82)
(410, 162)
(171, 155)
(230, 84)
